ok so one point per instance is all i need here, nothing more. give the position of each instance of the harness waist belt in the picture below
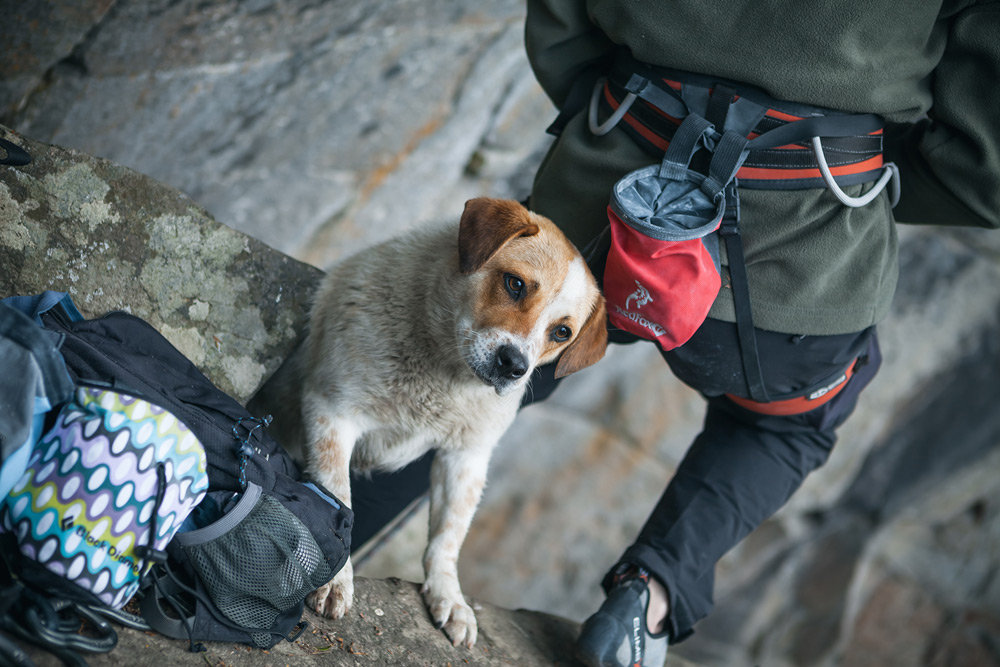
(799, 404)
(791, 166)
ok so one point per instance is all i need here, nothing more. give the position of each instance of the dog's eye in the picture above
(514, 285)
(561, 333)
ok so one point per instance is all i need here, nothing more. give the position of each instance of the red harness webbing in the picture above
(799, 404)
(852, 160)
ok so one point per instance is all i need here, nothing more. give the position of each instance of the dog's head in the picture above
(533, 299)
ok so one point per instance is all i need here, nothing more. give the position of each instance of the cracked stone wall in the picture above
(315, 127)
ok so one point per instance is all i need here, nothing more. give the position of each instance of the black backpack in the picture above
(261, 539)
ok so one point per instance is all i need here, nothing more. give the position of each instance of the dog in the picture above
(428, 341)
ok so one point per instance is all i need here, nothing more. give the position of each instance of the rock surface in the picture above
(388, 626)
(320, 127)
(117, 240)
(293, 121)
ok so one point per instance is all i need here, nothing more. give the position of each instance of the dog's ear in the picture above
(486, 226)
(590, 344)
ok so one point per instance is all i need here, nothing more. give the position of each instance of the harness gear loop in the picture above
(603, 128)
(889, 173)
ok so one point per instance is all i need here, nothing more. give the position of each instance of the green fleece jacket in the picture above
(930, 69)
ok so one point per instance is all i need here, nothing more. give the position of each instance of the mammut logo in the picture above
(640, 295)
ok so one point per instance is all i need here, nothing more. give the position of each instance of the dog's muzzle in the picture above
(503, 369)
(510, 363)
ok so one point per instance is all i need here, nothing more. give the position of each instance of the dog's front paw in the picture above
(334, 598)
(450, 612)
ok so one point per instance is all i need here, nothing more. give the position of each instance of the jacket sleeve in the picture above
(562, 43)
(950, 163)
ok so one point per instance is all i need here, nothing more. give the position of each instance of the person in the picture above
(820, 273)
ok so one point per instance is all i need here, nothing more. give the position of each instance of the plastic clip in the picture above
(245, 448)
(13, 155)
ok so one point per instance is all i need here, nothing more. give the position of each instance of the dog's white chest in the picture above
(412, 428)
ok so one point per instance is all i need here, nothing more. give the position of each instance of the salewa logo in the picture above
(828, 388)
(641, 321)
(640, 295)
(637, 640)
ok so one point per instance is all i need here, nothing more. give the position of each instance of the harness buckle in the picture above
(730, 225)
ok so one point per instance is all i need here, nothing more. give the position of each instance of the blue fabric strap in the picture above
(691, 135)
(34, 306)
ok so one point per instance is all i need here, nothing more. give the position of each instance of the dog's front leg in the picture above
(330, 445)
(457, 479)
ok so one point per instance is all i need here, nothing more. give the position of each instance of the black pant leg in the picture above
(739, 471)
(378, 498)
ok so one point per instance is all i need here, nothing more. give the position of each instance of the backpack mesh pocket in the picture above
(256, 562)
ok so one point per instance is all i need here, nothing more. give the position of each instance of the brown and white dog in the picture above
(428, 341)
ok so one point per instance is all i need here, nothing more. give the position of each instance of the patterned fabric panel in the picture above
(88, 496)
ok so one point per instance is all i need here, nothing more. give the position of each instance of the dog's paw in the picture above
(334, 598)
(451, 614)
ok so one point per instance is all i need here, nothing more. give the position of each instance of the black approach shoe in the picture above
(616, 635)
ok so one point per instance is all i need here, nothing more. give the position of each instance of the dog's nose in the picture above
(510, 363)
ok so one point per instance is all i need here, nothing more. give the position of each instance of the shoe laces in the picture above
(630, 572)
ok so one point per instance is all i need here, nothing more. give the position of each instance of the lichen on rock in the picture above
(117, 240)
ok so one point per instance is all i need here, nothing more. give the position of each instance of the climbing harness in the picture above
(816, 147)
(667, 221)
